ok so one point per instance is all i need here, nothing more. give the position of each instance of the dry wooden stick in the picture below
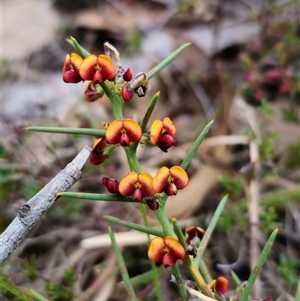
(32, 211)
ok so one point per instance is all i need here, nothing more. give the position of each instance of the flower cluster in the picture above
(143, 185)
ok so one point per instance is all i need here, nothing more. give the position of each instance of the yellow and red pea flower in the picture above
(112, 185)
(71, 68)
(162, 134)
(166, 250)
(97, 69)
(170, 180)
(219, 285)
(125, 132)
(137, 185)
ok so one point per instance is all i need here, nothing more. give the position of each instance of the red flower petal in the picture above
(168, 260)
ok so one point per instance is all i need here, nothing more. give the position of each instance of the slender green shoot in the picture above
(96, 197)
(80, 50)
(7, 287)
(61, 130)
(191, 153)
(122, 266)
(261, 260)
(37, 296)
(210, 229)
(144, 229)
(235, 278)
(167, 61)
(149, 111)
(297, 297)
(147, 277)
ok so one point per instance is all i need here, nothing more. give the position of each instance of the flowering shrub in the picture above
(104, 75)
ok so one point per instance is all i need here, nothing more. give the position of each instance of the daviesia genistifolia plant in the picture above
(104, 75)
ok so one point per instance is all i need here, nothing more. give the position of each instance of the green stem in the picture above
(164, 222)
(134, 165)
(116, 101)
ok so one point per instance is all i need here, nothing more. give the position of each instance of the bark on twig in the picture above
(32, 211)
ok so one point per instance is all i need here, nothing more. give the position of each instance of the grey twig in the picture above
(32, 211)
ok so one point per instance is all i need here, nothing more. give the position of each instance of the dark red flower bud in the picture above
(112, 185)
(127, 93)
(152, 203)
(127, 76)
